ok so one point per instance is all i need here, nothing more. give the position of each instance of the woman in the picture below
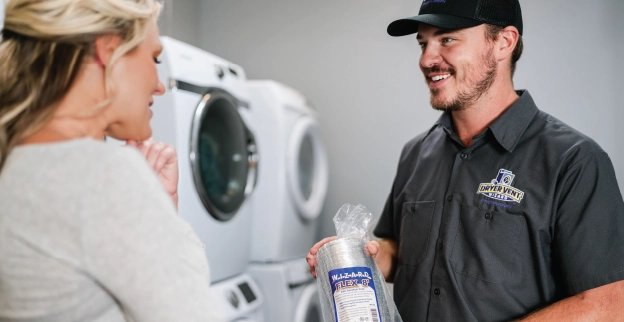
(87, 231)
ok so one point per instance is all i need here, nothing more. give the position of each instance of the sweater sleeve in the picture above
(136, 247)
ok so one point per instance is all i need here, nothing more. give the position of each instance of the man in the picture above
(500, 211)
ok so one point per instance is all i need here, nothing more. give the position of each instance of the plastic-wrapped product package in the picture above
(351, 287)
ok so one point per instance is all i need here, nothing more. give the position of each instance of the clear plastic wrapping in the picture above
(351, 287)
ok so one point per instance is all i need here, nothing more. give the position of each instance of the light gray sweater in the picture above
(87, 233)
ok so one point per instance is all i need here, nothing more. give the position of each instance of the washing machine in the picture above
(240, 299)
(291, 295)
(291, 189)
(205, 115)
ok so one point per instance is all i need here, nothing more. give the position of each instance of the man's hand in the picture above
(162, 158)
(383, 252)
(310, 257)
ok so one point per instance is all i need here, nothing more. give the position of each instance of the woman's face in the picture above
(135, 82)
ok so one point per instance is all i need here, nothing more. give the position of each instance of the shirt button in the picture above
(413, 208)
(449, 198)
(440, 245)
(488, 216)
(436, 291)
(464, 156)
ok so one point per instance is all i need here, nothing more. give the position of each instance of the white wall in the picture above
(617, 23)
(180, 19)
(570, 66)
(369, 90)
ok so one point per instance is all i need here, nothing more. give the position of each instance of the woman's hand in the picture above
(162, 158)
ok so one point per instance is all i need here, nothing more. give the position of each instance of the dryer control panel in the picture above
(240, 299)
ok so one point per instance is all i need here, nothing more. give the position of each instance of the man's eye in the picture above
(422, 45)
(447, 40)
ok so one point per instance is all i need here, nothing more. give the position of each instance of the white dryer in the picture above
(204, 115)
(292, 180)
(292, 184)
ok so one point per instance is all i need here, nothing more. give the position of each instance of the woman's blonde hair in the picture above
(44, 43)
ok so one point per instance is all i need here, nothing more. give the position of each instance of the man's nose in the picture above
(430, 56)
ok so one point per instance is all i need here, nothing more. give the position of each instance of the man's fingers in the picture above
(311, 263)
(310, 257)
(373, 248)
(320, 244)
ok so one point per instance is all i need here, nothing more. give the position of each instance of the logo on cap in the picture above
(426, 2)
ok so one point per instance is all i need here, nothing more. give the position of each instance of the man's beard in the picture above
(470, 95)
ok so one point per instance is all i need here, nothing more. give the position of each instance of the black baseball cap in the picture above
(455, 14)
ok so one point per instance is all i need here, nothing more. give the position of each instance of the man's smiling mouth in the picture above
(440, 77)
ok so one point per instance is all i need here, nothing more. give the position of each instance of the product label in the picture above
(354, 295)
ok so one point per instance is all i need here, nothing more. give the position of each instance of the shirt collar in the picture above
(507, 128)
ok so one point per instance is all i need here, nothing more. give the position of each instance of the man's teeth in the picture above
(440, 77)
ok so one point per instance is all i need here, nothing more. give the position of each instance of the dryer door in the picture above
(307, 168)
(222, 153)
(309, 306)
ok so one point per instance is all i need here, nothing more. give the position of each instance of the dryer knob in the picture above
(233, 71)
(233, 298)
(220, 71)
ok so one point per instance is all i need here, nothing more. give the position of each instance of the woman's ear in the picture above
(105, 46)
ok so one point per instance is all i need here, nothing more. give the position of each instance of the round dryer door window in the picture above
(307, 168)
(222, 155)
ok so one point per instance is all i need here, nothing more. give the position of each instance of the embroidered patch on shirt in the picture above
(501, 189)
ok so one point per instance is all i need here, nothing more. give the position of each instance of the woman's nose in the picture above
(160, 88)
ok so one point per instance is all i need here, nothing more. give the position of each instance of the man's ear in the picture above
(105, 46)
(507, 40)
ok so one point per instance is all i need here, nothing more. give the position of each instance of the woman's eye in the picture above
(156, 60)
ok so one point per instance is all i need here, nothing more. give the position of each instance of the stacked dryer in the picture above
(204, 115)
(291, 189)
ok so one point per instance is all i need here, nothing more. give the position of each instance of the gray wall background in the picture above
(369, 90)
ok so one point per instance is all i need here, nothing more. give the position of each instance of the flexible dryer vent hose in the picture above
(351, 287)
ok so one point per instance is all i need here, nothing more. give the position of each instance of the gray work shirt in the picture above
(529, 214)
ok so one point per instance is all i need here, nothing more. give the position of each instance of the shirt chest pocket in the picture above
(416, 218)
(489, 244)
